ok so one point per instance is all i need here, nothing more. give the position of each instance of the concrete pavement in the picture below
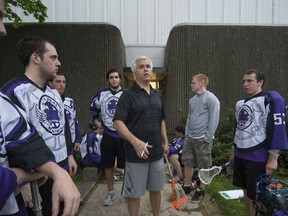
(94, 192)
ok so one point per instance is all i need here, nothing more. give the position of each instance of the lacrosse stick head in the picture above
(206, 175)
(180, 198)
(230, 167)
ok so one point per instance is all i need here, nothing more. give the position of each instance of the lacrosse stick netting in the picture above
(206, 175)
(180, 199)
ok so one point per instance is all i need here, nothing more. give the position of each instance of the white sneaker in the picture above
(109, 199)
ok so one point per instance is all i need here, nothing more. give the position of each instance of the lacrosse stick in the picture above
(206, 175)
(37, 208)
(180, 198)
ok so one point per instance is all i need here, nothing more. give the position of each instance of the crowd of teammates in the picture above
(22, 148)
(133, 136)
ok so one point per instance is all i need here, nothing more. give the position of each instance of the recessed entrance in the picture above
(157, 81)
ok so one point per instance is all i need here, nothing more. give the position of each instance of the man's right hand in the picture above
(65, 190)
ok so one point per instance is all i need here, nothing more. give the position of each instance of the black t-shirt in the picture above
(142, 114)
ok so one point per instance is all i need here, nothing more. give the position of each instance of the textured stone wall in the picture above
(86, 52)
(224, 53)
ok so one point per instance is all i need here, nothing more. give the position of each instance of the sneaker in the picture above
(198, 195)
(187, 189)
(109, 199)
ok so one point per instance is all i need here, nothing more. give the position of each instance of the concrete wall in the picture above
(86, 52)
(224, 53)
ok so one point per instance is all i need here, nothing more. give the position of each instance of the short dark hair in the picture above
(29, 45)
(92, 124)
(259, 74)
(58, 74)
(180, 129)
(112, 70)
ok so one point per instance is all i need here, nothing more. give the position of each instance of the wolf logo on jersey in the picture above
(69, 109)
(49, 114)
(111, 105)
(245, 117)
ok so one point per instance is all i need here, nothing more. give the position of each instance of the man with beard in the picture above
(15, 129)
(43, 107)
(103, 108)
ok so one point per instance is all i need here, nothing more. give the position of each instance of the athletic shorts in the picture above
(110, 149)
(245, 174)
(197, 153)
(140, 177)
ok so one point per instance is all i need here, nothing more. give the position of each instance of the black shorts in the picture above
(110, 149)
(245, 174)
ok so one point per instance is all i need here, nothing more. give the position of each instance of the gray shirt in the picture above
(203, 116)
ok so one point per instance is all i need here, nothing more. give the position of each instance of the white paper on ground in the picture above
(232, 194)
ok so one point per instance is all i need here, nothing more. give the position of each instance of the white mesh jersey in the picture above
(105, 102)
(44, 109)
(6, 112)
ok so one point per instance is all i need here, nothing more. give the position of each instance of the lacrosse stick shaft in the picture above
(37, 208)
(168, 164)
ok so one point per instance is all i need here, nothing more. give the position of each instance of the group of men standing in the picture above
(32, 134)
(39, 131)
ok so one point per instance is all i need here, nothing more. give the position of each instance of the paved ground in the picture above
(93, 192)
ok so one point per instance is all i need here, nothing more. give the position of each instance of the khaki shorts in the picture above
(140, 177)
(197, 153)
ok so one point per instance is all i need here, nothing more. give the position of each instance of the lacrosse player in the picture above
(102, 108)
(21, 143)
(72, 127)
(260, 134)
(42, 105)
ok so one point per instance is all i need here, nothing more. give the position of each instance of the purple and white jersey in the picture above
(70, 112)
(175, 147)
(23, 144)
(90, 148)
(105, 103)
(44, 110)
(8, 179)
(260, 126)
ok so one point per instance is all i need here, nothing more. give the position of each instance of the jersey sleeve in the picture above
(24, 146)
(276, 127)
(83, 146)
(8, 182)
(95, 107)
(78, 137)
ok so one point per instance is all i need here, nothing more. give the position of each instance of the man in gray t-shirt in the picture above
(202, 122)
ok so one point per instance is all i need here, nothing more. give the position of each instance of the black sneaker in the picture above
(187, 189)
(198, 195)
